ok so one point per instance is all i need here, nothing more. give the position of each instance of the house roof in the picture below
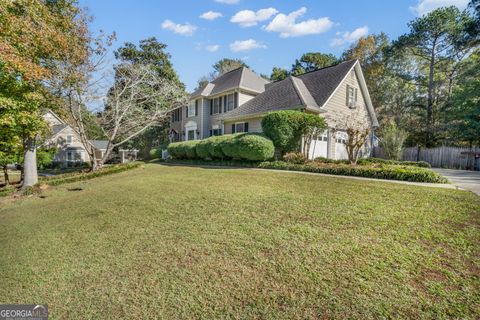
(242, 78)
(310, 90)
(99, 144)
(323, 82)
(279, 96)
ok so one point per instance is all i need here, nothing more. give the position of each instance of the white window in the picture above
(190, 135)
(341, 137)
(352, 94)
(69, 139)
(216, 131)
(192, 108)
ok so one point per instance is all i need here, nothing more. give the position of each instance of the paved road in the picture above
(468, 180)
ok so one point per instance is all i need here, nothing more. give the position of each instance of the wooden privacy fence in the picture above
(441, 157)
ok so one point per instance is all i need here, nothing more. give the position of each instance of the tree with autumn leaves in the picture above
(35, 35)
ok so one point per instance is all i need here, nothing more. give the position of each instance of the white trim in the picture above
(363, 85)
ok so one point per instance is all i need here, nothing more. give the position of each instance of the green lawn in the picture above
(182, 242)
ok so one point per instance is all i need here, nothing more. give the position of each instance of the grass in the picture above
(184, 242)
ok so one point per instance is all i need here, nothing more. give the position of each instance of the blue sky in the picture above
(263, 33)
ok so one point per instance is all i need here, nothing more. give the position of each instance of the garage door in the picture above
(340, 150)
(319, 147)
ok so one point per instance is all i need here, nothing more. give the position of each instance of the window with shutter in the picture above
(196, 107)
(246, 126)
(211, 106)
(233, 128)
(350, 99)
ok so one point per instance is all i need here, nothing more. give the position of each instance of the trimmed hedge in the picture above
(183, 150)
(421, 164)
(80, 176)
(389, 172)
(202, 149)
(242, 146)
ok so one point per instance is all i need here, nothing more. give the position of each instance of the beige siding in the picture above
(336, 107)
(59, 141)
(254, 125)
(244, 97)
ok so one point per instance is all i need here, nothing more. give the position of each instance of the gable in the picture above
(336, 105)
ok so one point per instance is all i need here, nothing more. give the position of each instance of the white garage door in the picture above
(340, 150)
(319, 148)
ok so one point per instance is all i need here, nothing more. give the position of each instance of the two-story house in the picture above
(237, 101)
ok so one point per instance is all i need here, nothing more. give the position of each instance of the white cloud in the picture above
(212, 48)
(183, 29)
(228, 1)
(349, 37)
(246, 45)
(249, 18)
(211, 15)
(287, 27)
(425, 6)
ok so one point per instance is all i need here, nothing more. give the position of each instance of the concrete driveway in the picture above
(468, 180)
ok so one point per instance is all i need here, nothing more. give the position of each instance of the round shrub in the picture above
(202, 149)
(254, 147)
(229, 146)
(214, 146)
(155, 153)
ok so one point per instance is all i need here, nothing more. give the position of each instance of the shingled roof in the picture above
(242, 78)
(310, 90)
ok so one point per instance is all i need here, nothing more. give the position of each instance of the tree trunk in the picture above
(30, 164)
(5, 175)
(429, 136)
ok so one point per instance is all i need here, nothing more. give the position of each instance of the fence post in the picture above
(418, 153)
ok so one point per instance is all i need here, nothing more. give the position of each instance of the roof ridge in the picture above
(327, 67)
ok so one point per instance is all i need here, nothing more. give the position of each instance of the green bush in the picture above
(241, 146)
(155, 153)
(202, 149)
(183, 150)
(390, 172)
(286, 128)
(327, 160)
(254, 147)
(230, 147)
(295, 157)
(367, 161)
(214, 147)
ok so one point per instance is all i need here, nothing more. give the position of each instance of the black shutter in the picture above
(236, 100)
(196, 107)
(186, 112)
(233, 128)
(210, 133)
(225, 100)
(211, 106)
(245, 126)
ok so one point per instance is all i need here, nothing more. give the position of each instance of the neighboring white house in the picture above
(70, 149)
(237, 101)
